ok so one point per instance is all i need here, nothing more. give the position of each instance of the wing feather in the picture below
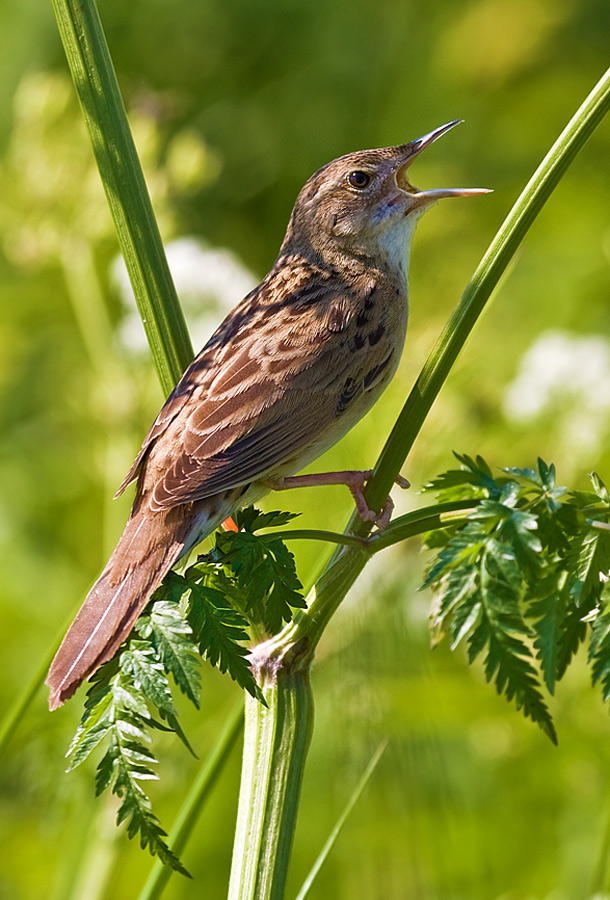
(260, 394)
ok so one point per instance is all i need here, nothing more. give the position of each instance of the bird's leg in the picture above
(352, 479)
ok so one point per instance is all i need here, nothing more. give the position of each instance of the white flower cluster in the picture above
(566, 376)
(209, 282)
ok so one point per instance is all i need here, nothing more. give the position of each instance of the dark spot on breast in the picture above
(362, 319)
(359, 341)
(351, 389)
(373, 374)
(376, 335)
(369, 303)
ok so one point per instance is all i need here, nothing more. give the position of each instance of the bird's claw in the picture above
(380, 519)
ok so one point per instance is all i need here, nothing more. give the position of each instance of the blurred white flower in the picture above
(209, 281)
(567, 376)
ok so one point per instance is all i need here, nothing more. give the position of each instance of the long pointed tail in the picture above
(148, 548)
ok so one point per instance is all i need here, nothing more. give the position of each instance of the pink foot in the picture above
(354, 480)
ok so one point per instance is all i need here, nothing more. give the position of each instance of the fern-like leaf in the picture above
(218, 630)
(116, 709)
(172, 638)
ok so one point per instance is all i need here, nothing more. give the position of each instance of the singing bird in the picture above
(290, 370)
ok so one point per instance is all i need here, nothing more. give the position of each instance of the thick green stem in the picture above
(276, 741)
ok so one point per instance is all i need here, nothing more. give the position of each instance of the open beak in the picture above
(415, 148)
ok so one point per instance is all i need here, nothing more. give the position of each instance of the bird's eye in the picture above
(359, 179)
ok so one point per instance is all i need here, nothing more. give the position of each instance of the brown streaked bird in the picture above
(290, 370)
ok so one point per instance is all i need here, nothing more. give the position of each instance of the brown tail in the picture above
(149, 546)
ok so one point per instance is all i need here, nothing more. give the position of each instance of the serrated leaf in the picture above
(508, 656)
(465, 618)
(265, 570)
(95, 726)
(172, 638)
(141, 663)
(473, 480)
(478, 466)
(507, 661)
(116, 709)
(136, 811)
(461, 550)
(599, 646)
(591, 556)
(548, 608)
(172, 589)
(218, 629)
(459, 584)
(600, 488)
(519, 532)
(252, 519)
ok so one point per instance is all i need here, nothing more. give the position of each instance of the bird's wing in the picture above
(269, 385)
(271, 399)
(176, 401)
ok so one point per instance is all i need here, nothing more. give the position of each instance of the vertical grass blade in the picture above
(137, 231)
(325, 851)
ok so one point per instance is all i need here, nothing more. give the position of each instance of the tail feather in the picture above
(148, 548)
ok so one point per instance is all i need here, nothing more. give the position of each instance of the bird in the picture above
(289, 371)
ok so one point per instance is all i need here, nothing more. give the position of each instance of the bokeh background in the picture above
(233, 106)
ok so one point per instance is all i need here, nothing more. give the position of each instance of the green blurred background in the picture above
(234, 105)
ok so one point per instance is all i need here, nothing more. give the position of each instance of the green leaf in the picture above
(140, 661)
(599, 646)
(265, 570)
(218, 629)
(136, 810)
(548, 608)
(474, 479)
(116, 709)
(591, 556)
(461, 550)
(95, 724)
(468, 612)
(481, 573)
(600, 488)
(252, 519)
(573, 634)
(172, 638)
(507, 660)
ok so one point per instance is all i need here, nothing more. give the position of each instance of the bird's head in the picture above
(363, 204)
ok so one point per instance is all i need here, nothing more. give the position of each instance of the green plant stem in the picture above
(191, 808)
(428, 518)
(136, 227)
(440, 515)
(276, 741)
